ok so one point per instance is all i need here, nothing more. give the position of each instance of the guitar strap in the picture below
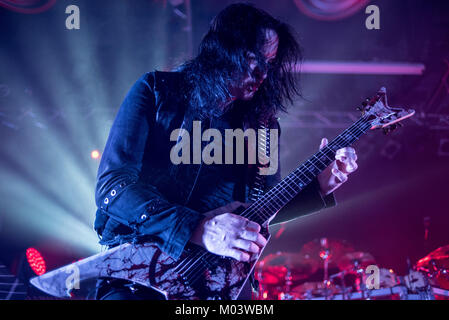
(258, 186)
(263, 150)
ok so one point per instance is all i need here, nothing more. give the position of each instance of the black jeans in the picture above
(116, 289)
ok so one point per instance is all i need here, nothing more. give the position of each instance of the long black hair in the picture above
(223, 52)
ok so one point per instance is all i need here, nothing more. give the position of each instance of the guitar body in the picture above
(195, 275)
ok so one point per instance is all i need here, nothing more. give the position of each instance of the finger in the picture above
(346, 156)
(254, 256)
(237, 254)
(252, 226)
(246, 245)
(347, 166)
(346, 149)
(229, 218)
(351, 166)
(323, 143)
(239, 222)
(235, 220)
(340, 176)
(254, 237)
(346, 161)
(244, 223)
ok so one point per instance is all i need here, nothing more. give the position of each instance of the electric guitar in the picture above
(197, 273)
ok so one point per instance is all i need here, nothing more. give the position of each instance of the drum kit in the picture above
(328, 269)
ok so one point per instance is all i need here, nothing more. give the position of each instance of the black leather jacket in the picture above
(142, 196)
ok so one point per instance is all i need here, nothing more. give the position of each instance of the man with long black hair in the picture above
(241, 78)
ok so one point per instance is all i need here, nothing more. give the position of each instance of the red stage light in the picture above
(36, 261)
(95, 154)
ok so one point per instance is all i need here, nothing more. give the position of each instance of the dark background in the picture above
(60, 90)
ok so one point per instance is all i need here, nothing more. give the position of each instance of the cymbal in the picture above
(282, 266)
(289, 260)
(438, 258)
(436, 264)
(320, 249)
(354, 260)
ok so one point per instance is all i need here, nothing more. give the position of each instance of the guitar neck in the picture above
(278, 196)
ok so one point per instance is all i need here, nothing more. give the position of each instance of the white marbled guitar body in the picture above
(210, 278)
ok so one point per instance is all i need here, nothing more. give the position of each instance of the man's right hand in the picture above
(230, 235)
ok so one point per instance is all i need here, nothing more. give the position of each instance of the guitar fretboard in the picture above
(279, 195)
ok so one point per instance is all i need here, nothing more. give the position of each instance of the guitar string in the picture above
(293, 176)
(183, 263)
(353, 128)
(338, 139)
(357, 127)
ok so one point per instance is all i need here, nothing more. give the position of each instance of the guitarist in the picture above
(239, 79)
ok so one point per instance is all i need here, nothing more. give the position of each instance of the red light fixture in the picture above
(36, 261)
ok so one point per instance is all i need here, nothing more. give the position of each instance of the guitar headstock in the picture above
(381, 115)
